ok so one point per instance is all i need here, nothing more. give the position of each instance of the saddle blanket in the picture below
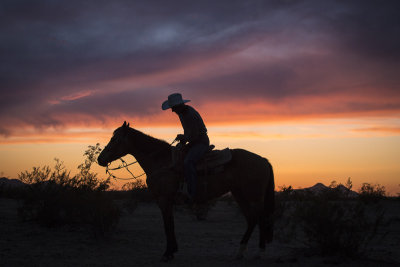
(213, 159)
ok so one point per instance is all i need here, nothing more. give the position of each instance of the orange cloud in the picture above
(390, 130)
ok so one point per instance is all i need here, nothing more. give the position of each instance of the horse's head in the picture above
(117, 147)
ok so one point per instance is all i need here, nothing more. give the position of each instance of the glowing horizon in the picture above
(301, 154)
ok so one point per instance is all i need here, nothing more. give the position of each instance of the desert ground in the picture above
(138, 240)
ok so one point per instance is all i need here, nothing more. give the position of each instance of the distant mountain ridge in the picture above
(320, 188)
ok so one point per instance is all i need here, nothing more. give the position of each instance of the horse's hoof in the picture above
(167, 258)
(257, 256)
(242, 250)
(260, 254)
(239, 256)
(201, 212)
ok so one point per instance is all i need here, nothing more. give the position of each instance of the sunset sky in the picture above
(314, 86)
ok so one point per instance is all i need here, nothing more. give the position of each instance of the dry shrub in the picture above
(138, 191)
(54, 198)
(330, 222)
(338, 227)
(135, 192)
(371, 193)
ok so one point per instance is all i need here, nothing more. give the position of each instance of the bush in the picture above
(54, 198)
(339, 227)
(371, 193)
(9, 191)
(138, 191)
(282, 201)
(286, 191)
(330, 222)
(398, 195)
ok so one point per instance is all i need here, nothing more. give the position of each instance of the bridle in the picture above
(125, 165)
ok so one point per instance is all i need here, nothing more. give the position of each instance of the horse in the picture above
(248, 176)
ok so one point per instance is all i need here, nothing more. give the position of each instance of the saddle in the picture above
(212, 162)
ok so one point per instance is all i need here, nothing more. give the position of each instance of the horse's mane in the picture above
(147, 140)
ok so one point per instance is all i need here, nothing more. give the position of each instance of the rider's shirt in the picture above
(193, 126)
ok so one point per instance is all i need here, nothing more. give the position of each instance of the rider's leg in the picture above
(195, 153)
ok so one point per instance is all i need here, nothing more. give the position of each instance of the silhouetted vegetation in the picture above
(336, 227)
(138, 191)
(371, 193)
(54, 197)
(331, 221)
(398, 195)
(10, 191)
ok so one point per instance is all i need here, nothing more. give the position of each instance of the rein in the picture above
(125, 165)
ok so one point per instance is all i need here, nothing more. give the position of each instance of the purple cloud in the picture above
(98, 59)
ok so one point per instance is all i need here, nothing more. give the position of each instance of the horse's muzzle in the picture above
(102, 161)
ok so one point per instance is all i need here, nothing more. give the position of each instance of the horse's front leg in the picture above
(166, 205)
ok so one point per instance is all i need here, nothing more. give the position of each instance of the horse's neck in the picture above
(151, 153)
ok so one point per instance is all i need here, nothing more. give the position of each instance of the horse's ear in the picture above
(124, 125)
(127, 125)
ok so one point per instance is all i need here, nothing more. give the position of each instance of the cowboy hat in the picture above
(173, 100)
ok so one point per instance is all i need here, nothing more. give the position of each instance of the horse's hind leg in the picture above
(263, 231)
(266, 219)
(251, 210)
(251, 223)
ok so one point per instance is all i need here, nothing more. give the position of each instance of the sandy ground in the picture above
(139, 241)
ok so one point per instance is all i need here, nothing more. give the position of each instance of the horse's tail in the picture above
(269, 203)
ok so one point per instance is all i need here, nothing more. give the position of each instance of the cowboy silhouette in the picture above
(195, 137)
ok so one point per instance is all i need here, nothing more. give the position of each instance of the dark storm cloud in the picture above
(46, 40)
(52, 49)
(370, 28)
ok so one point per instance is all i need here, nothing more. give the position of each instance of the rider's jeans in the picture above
(195, 153)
